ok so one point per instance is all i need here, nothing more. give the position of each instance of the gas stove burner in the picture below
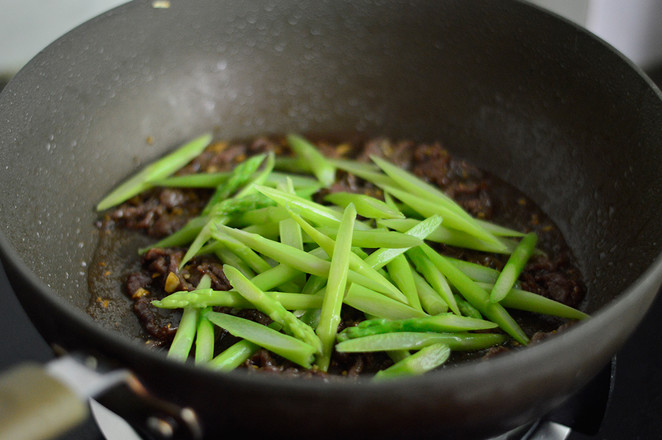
(540, 430)
(114, 428)
(547, 431)
(582, 413)
(110, 424)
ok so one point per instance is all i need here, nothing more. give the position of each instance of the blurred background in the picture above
(632, 27)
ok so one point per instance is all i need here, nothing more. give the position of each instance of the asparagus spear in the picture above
(376, 304)
(300, 260)
(269, 214)
(307, 152)
(260, 178)
(248, 255)
(434, 277)
(451, 237)
(236, 354)
(513, 267)
(466, 308)
(163, 167)
(532, 302)
(268, 230)
(272, 308)
(416, 340)
(356, 263)
(476, 296)
(226, 256)
(416, 186)
(204, 339)
(474, 271)
(212, 180)
(181, 237)
(290, 232)
(375, 238)
(447, 207)
(233, 356)
(286, 346)
(335, 287)
(401, 273)
(201, 298)
(424, 360)
(183, 341)
(382, 256)
(430, 299)
(219, 208)
(240, 175)
(445, 322)
(365, 171)
(222, 212)
(452, 218)
(366, 206)
(315, 212)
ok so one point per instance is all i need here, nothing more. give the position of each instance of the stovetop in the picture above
(634, 410)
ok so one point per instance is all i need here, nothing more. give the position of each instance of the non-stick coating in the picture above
(523, 94)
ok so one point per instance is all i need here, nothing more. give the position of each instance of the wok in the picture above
(523, 94)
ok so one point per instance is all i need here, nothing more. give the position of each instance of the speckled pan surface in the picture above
(503, 84)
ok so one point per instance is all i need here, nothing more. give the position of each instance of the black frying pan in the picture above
(523, 94)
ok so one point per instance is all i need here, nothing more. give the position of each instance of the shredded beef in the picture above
(159, 213)
(160, 331)
(556, 279)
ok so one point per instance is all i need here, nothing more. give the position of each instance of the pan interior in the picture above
(545, 107)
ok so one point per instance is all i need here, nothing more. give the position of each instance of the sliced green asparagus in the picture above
(272, 308)
(188, 324)
(401, 273)
(307, 152)
(434, 277)
(240, 175)
(513, 267)
(424, 360)
(335, 287)
(366, 206)
(375, 304)
(416, 340)
(476, 296)
(159, 169)
(445, 322)
(236, 354)
(380, 266)
(201, 298)
(382, 256)
(284, 345)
